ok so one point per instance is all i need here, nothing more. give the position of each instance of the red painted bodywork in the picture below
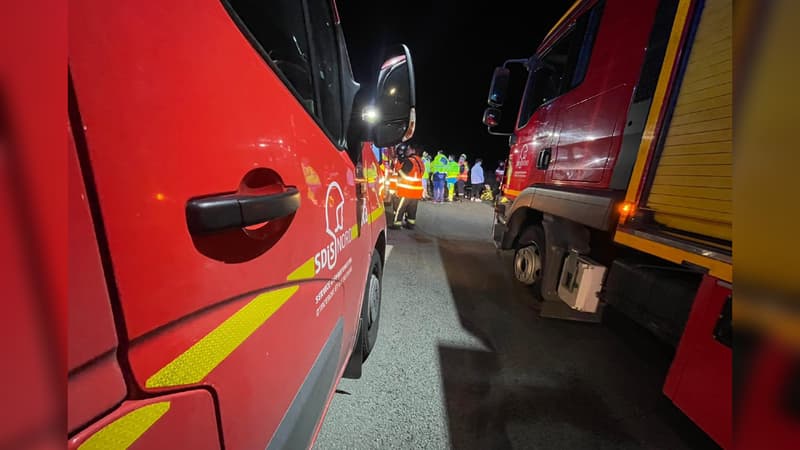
(188, 423)
(699, 380)
(32, 224)
(583, 127)
(176, 104)
(763, 418)
(95, 381)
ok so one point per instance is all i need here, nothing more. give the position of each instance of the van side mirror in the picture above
(499, 86)
(393, 115)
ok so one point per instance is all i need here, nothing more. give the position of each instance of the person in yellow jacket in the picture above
(452, 176)
(439, 177)
(426, 176)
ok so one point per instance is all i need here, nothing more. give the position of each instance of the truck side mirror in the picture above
(393, 115)
(491, 117)
(499, 86)
(505, 93)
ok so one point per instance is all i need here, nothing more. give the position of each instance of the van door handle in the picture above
(226, 211)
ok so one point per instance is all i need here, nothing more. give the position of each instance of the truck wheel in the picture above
(529, 257)
(371, 310)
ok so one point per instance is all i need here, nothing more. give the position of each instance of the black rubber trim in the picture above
(300, 420)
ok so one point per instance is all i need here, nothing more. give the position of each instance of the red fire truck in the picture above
(226, 234)
(618, 188)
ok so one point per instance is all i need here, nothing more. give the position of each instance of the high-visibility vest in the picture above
(439, 164)
(409, 185)
(393, 179)
(452, 171)
(463, 172)
(427, 163)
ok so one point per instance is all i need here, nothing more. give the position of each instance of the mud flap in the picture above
(353, 368)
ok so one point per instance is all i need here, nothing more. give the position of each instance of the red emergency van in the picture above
(226, 247)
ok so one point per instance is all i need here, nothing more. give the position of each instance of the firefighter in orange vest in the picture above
(409, 188)
(463, 176)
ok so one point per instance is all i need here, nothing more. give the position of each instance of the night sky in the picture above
(455, 47)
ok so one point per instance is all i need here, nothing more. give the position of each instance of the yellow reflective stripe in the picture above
(512, 192)
(716, 268)
(354, 232)
(375, 215)
(123, 432)
(303, 272)
(563, 18)
(204, 356)
(409, 186)
(409, 177)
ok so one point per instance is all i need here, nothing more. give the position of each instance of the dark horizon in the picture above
(454, 56)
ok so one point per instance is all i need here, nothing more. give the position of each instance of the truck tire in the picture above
(371, 309)
(529, 256)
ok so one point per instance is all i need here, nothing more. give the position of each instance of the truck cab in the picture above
(570, 124)
(230, 240)
(618, 187)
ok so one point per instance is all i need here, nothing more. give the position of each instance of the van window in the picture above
(279, 31)
(563, 66)
(325, 62)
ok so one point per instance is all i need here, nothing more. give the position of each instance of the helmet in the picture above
(401, 149)
(463, 156)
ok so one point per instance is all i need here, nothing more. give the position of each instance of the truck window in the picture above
(563, 66)
(278, 29)
(325, 62)
(542, 86)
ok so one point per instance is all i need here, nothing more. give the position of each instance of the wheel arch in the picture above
(520, 219)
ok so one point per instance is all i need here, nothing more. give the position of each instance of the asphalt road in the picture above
(463, 360)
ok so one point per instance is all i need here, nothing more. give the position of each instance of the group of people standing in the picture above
(442, 178)
(450, 177)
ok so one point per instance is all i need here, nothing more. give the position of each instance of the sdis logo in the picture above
(334, 227)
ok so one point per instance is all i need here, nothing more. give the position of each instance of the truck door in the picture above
(567, 58)
(597, 73)
(212, 131)
(531, 154)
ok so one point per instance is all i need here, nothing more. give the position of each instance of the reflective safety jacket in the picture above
(409, 180)
(463, 172)
(452, 171)
(393, 178)
(439, 163)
